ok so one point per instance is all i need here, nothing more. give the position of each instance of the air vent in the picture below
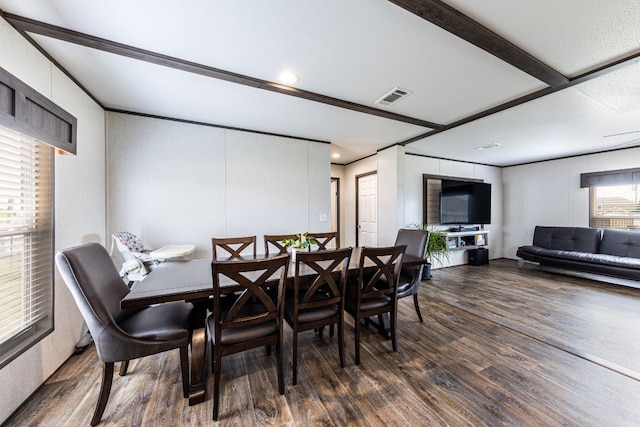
(393, 96)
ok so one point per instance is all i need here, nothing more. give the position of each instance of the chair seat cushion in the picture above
(405, 283)
(312, 314)
(165, 322)
(231, 336)
(243, 334)
(368, 304)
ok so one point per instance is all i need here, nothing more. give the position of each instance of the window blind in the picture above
(26, 242)
(615, 207)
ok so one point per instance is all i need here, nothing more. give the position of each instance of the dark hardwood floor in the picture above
(498, 346)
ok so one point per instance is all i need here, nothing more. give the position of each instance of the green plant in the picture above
(437, 246)
(302, 242)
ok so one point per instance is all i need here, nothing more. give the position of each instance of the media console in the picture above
(467, 239)
(469, 247)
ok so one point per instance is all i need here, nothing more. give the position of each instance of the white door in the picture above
(368, 210)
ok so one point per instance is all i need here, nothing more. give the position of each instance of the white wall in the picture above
(391, 194)
(172, 183)
(79, 211)
(337, 171)
(549, 193)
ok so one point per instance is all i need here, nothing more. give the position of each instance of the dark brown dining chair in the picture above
(273, 243)
(121, 335)
(376, 288)
(232, 247)
(323, 240)
(254, 319)
(410, 277)
(318, 301)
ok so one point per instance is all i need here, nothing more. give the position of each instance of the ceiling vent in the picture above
(393, 96)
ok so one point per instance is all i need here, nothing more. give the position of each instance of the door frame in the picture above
(374, 172)
(337, 199)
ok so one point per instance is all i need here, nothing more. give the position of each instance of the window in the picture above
(616, 206)
(26, 243)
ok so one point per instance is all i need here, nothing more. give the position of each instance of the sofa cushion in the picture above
(578, 239)
(614, 260)
(620, 243)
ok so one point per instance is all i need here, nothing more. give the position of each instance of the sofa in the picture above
(608, 252)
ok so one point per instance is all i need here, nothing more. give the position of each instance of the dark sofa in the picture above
(608, 252)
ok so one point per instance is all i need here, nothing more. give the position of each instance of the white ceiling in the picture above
(356, 51)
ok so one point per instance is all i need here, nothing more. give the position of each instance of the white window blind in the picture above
(616, 206)
(26, 243)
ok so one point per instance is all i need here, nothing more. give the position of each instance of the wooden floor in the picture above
(498, 346)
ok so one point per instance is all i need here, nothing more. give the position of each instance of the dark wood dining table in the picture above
(192, 281)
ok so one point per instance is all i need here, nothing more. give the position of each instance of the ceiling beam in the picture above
(31, 26)
(451, 20)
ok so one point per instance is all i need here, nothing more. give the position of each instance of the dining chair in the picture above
(273, 243)
(121, 335)
(232, 246)
(375, 291)
(323, 240)
(318, 301)
(254, 319)
(410, 277)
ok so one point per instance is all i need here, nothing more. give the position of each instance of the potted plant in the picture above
(437, 248)
(303, 241)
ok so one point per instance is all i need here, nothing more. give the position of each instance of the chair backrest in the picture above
(254, 303)
(327, 287)
(97, 289)
(273, 243)
(232, 246)
(416, 241)
(324, 240)
(383, 278)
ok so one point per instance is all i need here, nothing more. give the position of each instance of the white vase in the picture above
(294, 252)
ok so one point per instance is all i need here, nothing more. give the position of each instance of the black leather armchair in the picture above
(121, 335)
(410, 277)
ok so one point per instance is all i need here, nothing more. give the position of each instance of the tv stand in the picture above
(471, 239)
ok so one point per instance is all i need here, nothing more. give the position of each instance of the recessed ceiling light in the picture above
(486, 147)
(336, 155)
(289, 77)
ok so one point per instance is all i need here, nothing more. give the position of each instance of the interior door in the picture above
(367, 210)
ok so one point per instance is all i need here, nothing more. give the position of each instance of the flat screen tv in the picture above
(465, 202)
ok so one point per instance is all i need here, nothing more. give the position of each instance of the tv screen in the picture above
(465, 202)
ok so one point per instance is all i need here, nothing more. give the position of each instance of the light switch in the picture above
(323, 218)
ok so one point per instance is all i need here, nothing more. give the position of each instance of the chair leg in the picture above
(184, 365)
(279, 362)
(216, 381)
(331, 330)
(357, 341)
(340, 341)
(295, 358)
(393, 318)
(268, 348)
(321, 332)
(105, 389)
(124, 365)
(415, 302)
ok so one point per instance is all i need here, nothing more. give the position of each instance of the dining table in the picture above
(192, 281)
